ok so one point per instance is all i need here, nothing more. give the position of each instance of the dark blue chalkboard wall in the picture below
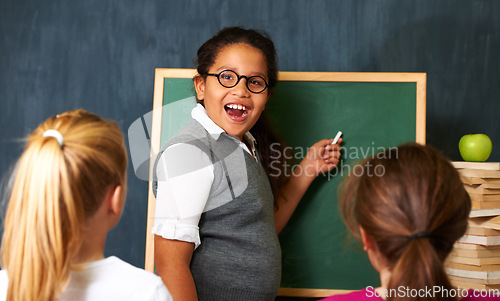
(57, 55)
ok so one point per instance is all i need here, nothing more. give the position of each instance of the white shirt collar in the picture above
(199, 113)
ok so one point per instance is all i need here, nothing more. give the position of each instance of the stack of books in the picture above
(475, 259)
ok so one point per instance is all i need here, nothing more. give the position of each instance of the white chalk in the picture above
(337, 137)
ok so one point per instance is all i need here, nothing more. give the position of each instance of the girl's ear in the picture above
(368, 242)
(116, 201)
(199, 86)
(376, 258)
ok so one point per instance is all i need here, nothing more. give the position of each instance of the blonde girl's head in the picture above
(57, 186)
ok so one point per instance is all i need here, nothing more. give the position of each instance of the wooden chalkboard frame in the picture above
(420, 79)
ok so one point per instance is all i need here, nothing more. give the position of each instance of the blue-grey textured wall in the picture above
(57, 55)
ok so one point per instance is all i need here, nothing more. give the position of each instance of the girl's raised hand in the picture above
(322, 157)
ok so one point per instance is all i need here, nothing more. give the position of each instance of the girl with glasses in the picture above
(68, 191)
(219, 205)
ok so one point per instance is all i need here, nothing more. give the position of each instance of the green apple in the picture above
(475, 147)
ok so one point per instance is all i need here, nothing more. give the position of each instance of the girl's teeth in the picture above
(237, 107)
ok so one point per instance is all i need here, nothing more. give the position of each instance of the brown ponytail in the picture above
(401, 192)
(56, 188)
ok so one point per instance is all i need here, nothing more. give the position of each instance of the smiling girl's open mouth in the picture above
(236, 112)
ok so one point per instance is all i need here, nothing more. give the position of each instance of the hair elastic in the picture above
(419, 234)
(55, 134)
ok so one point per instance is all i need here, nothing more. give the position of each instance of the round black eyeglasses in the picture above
(229, 79)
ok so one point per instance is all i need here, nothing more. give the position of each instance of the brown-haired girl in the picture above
(216, 222)
(69, 190)
(408, 207)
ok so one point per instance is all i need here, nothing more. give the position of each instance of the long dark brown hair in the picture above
(262, 131)
(402, 191)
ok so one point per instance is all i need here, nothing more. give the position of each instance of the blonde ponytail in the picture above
(56, 189)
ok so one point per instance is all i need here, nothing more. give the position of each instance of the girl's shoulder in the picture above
(481, 295)
(193, 131)
(4, 283)
(358, 295)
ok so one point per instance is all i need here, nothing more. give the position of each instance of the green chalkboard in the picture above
(373, 110)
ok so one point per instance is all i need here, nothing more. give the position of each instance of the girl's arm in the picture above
(321, 157)
(173, 267)
(178, 210)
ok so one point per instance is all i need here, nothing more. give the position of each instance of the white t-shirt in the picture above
(107, 279)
